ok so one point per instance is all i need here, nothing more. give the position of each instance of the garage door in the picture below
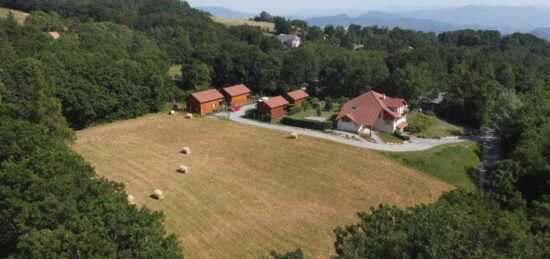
(347, 126)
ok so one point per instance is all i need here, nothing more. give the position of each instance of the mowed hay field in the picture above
(20, 17)
(265, 26)
(249, 190)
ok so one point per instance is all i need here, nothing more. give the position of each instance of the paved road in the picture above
(417, 144)
(491, 153)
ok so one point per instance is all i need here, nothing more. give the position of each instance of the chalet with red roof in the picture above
(296, 97)
(204, 102)
(236, 95)
(373, 111)
(273, 107)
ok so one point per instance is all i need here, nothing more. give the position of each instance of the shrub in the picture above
(266, 118)
(341, 102)
(294, 110)
(316, 125)
(328, 104)
(306, 105)
(251, 114)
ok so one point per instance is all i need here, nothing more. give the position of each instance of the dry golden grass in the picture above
(175, 70)
(265, 26)
(20, 17)
(250, 190)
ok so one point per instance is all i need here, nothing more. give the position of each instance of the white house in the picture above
(289, 40)
(373, 111)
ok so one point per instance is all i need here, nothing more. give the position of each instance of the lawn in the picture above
(313, 112)
(265, 26)
(20, 17)
(388, 138)
(250, 190)
(435, 127)
(456, 164)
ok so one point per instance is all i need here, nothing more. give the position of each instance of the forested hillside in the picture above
(111, 63)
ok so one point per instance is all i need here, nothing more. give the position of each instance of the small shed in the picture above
(296, 97)
(236, 95)
(274, 107)
(204, 102)
(432, 104)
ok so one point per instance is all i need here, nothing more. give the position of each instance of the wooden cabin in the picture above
(204, 102)
(296, 97)
(236, 95)
(274, 107)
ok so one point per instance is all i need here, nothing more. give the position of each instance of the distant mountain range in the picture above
(522, 18)
(384, 20)
(506, 19)
(543, 33)
(226, 13)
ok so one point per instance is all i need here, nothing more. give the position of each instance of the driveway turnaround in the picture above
(417, 144)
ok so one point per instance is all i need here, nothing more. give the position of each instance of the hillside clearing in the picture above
(20, 17)
(456, 164)
(249, 190)
(265, 26)
(432, 126)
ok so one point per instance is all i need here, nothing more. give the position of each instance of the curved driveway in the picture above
(417, 144)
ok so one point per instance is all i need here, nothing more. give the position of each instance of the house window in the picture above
(388, 122)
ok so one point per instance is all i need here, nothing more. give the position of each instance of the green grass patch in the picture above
(425, 125)
(457, 164)
(175, 70)
(313, 112)
(388, 138)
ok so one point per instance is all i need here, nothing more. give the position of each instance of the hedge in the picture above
(316, 125)
(400, 135)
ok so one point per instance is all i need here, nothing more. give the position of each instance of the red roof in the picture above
(207, 96)
(366, 108)
(55, 35)
(236, 90)
(297, 95)
(276, 102)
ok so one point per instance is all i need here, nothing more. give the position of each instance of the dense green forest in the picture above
(111, 63)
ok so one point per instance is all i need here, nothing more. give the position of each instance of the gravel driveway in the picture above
(417, 144)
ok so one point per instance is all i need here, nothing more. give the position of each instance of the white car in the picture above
(263, 99)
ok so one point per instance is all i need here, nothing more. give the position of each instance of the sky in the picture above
(334, 6)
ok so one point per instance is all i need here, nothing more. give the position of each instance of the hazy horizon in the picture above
(286, 7)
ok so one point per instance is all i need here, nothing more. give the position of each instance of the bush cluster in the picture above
(420, 123)
(292, 109)
(316, 125)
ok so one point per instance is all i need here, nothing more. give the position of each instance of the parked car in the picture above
(263, 99)
(235, 108)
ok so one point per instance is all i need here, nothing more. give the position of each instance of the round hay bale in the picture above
(171, 112)
(294, 135)
(186, 151)
(131, 199)
(183, 169)
(157, 194)
(189, 116)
